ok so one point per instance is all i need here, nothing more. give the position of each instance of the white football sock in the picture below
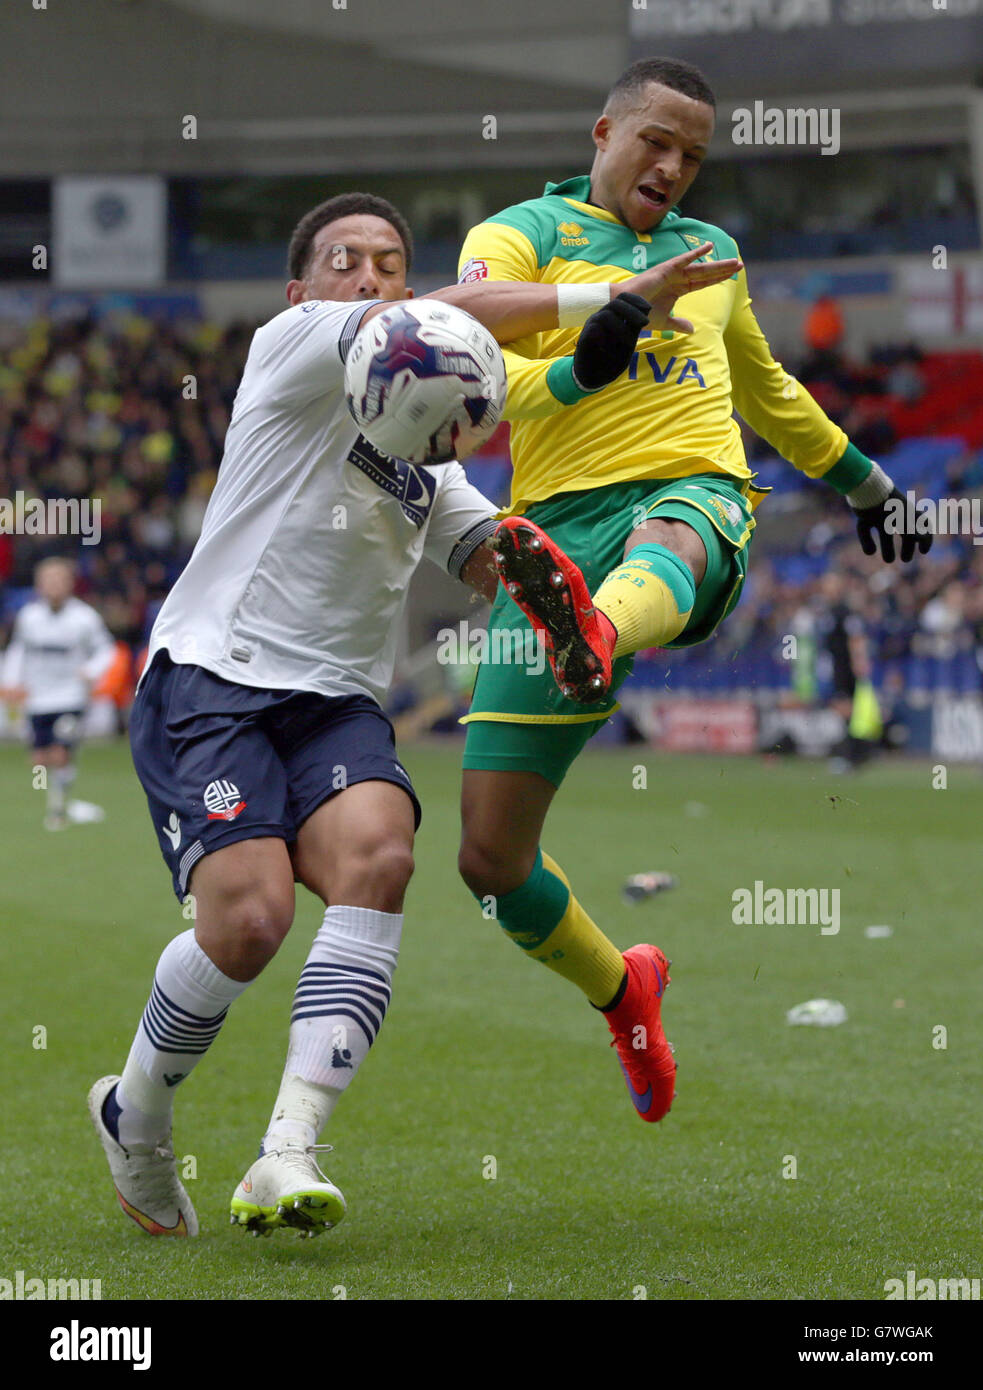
(59, 781)
(186, 1009)
(55, 800)
(340, 1002)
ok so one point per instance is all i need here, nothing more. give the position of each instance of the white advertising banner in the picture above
(109, 233)
(944, 303)
(957, 729)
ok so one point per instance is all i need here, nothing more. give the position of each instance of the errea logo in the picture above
(572, 234)
(698, 241)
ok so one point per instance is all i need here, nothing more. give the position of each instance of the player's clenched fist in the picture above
(607, 341)
(665, 283)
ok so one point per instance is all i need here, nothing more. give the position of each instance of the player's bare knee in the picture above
(377, 876)
(678, 536)
(492, 869)
(261, 932)
(246, 935)
(391, 871)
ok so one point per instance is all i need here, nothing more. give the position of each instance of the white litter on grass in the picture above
(873, 932)
(821, 1013)
(695, 809)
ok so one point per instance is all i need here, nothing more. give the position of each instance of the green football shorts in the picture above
(519, 721)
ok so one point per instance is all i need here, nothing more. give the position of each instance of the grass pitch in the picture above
(488, 1064)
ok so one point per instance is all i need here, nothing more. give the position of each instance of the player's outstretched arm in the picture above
(664, 284)
(781, 410)
(512, 309)
(541, 386)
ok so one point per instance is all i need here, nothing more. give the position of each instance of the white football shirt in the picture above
(311, 536)
(54, 654)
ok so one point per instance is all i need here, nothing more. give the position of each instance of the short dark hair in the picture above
(670, 72)
(344, 205)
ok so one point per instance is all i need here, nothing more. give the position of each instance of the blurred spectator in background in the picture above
(842, 633)
(58, 653)
(824, 328)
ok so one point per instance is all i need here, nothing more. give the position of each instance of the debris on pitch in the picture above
(820, 1013)
(641, 886)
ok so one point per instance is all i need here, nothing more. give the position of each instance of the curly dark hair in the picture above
(344, 205)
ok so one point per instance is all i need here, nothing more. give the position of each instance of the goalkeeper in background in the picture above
(631, 512)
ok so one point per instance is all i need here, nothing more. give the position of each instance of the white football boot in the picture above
(285, 1187)
(146, 1182)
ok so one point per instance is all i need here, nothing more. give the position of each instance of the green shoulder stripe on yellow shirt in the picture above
(561, 225)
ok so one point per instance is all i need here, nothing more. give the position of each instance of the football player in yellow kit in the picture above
(630, 516)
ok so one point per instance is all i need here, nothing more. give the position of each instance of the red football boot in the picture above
(552, 592)
(645, 1055)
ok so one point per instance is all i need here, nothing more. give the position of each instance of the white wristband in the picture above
(874, 489)
(576, 303)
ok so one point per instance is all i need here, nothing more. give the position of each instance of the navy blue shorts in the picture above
(63, 729)
(222, 762)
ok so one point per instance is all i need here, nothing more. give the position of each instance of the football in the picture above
(425, 382)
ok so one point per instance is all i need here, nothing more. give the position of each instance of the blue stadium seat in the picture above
(14, 600)
(799, 569)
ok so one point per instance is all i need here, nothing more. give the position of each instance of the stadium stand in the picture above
(133, 412)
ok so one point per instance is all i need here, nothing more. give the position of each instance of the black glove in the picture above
(607, 341)
(872, 523)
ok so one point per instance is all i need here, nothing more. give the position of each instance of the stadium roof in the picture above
(576, 43)
(299, 86)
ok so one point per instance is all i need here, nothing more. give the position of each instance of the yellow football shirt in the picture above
(671, 415)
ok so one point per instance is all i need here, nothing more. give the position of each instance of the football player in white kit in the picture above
(257, 729)
(58, 650)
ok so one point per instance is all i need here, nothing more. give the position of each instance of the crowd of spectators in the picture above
(923, 622)
(133, 413)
